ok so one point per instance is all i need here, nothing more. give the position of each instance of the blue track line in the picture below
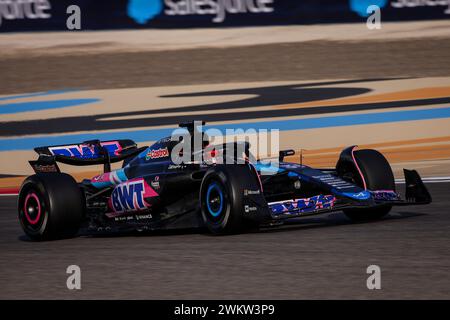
(29, 143)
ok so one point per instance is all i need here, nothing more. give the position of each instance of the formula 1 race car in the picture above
(152, 192)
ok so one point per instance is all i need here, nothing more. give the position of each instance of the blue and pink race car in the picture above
(151, 191)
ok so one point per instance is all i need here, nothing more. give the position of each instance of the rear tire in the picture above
(377, 174)
(51, 206)
(221, 198)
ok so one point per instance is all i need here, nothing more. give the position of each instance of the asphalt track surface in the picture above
(312, 258)
(316, 257)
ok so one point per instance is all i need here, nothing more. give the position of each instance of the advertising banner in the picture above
(38, 15)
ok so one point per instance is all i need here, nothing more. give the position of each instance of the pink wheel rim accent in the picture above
(357, 167)
(38, 216)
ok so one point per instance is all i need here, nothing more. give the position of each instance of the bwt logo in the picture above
(84, 151)
(143, 11)
(130, 196)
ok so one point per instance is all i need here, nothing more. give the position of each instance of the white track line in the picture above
(427, 180)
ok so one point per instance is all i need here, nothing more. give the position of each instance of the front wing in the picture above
(416, 193)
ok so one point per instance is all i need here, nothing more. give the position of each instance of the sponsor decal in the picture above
(142, 11)
(120, 218)
(251, 192)
(219, 9)
(292, 166)
(360, 6)
(157, 153)
(388, 195)
(305, 205)
(144, 216)
(24, 9)
(421, 3)
(334, 181)
(164, 140)
(297, 184)
(176, 167)
(84, 151)
(45, 168)
(249, 209)
(109, 178)
(155, 183)
(130, 217)
(130, 196)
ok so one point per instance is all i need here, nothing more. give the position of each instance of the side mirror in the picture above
(285, 153)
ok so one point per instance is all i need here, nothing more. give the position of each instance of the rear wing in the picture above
(92, 152)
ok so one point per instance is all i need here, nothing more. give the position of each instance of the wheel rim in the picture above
(32, 208)
(214, 199)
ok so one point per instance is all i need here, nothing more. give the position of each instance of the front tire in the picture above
(50, 206)
(222, 198)
(374, 173)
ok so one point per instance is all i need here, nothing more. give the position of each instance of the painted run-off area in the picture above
(431, 157)
(409, 130)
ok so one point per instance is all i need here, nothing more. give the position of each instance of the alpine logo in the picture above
(130, 196)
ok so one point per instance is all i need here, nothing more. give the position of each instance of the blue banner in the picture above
(36, 15)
